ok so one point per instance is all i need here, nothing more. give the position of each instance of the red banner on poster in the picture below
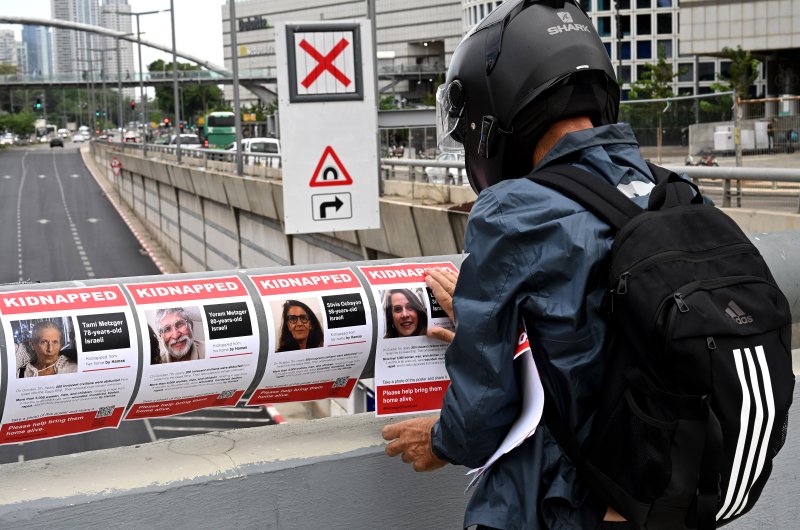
(186, 290)
(298, 282)
(58, 300)
(402, 272)
(52, 426)
(181, 406)
(412, 397)
(289, 394)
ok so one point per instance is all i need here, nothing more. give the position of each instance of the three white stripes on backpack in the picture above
(752, 428)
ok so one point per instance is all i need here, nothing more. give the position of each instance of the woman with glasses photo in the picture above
(300, 328)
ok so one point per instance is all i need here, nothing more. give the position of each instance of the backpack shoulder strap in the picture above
(671, 190)
(594, 194)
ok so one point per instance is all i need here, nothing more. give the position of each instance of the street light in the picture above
(142, 96)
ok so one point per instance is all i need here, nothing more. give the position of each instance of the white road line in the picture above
(19, 216)
(20, 458)
(150, 432)
(86, 263)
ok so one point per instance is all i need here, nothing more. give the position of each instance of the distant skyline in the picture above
(198, 26)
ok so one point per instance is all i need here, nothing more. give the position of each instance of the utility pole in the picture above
(142, 94)
(177, 122)
(237, 114)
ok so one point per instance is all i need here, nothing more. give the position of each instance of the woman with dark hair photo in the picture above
(300, 328)
(405, 314)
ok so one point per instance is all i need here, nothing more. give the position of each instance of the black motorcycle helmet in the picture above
(525, 66)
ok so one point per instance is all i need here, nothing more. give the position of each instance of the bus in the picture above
(219, 130)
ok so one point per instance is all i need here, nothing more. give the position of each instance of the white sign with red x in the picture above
(325, 62)
(328, 126)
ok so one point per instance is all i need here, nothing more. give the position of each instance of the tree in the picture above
(20, 123)
(743, 72)
(196, 99)
(8, 69)
(655, 83)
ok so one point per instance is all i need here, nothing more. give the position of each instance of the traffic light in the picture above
(166, 122)
(133, 105)
(180, 126)
(38, 105)
(97, 114)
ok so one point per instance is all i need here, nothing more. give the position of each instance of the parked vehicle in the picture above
(701, 159)
(265, 146)
(188, 141)
(441, 175)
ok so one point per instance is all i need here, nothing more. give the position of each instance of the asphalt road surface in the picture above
(57, 225)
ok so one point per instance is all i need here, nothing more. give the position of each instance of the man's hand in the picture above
(442, 283)
(412, 440)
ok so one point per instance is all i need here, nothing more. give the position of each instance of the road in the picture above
(59, 222)
(57, 225)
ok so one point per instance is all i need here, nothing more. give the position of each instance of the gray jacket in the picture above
(534, 252)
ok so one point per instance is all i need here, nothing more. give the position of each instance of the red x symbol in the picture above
(325, 63)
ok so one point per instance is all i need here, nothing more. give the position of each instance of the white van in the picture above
(262, 146)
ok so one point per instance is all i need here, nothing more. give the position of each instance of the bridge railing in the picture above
(726, 185)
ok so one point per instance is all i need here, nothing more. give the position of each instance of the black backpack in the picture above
(698, 366)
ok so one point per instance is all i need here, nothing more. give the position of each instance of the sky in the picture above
(198, 25)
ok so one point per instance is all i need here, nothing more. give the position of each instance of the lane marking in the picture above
(19, 216)
(74, 229)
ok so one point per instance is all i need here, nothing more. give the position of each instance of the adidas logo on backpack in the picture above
(737, 314)
(697, 389)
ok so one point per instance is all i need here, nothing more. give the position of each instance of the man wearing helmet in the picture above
(530, 86)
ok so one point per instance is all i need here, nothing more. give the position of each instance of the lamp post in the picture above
(142, 95)
(175, 83)
(236, 110)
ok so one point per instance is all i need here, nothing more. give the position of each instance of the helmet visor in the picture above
(450, 119)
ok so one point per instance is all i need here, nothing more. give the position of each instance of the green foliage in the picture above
(20, 123)
(197, 100)
(8, 69)
(386, 103)
(719, 108)
(744, 70)
(656, 80)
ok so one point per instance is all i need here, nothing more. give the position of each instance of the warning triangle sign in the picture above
(330, 171)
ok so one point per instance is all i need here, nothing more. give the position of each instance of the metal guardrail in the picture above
(749, 181)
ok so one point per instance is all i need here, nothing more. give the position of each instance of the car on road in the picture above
(261, 146)
(441, 175)
(7, 139)
(56, 141)
(188, 141)
(78, 138)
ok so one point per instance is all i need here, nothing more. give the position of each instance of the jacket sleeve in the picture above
(483, 398)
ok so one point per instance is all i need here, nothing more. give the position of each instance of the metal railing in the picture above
(727, 186)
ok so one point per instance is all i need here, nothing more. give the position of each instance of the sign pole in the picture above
(237, 112)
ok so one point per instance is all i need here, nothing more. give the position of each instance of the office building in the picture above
(768, 29)
(80, 53)
(75, 52)
(115, 15)
(415, 38)
(7, 47)
(40, 50)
